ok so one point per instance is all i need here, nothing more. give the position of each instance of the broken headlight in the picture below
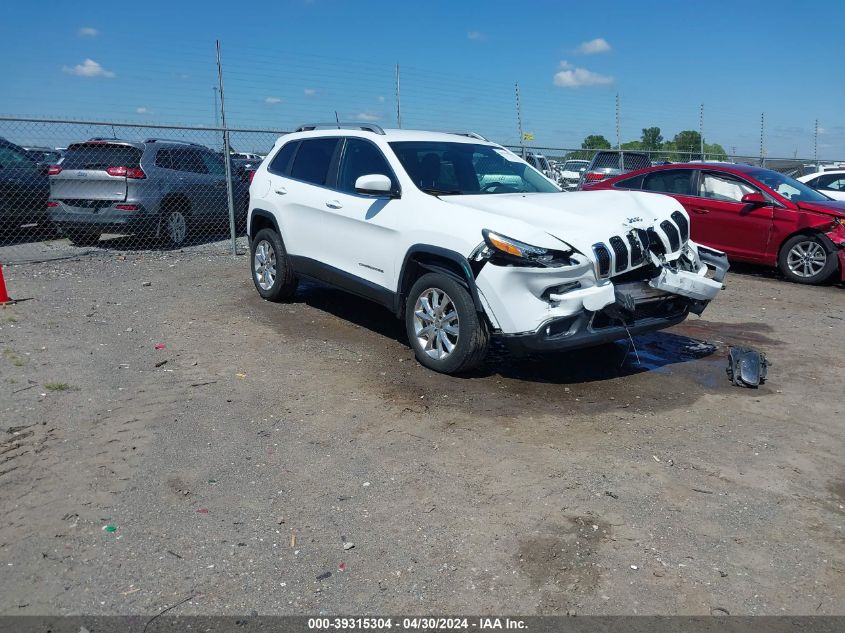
(511, 251)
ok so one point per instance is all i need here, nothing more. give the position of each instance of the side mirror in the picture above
(756, 198)
(376, 184)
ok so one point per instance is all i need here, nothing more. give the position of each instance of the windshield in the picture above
(443, 168)
(787, 187)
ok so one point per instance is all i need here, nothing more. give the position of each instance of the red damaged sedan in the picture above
(753, 214)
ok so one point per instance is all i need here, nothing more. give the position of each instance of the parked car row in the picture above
(154, 188)
(754, 214)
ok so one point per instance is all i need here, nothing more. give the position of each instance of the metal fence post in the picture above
(227, 159)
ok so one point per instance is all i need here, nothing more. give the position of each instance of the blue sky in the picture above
(288, 62)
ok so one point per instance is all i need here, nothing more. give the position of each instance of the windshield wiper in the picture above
(440, 192)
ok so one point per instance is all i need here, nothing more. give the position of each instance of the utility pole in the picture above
(762, 133)
(398, 100)
(519, 120)
(227, 158)
(701, 131)
(618, 137)
(816, 145)
(216, 109)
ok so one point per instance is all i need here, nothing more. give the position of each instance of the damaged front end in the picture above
(540, 298)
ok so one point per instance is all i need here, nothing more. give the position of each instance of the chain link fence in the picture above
(67, 185)
(73, 187)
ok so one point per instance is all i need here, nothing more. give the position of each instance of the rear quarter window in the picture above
(280, 164)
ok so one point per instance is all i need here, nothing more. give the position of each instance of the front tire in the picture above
(807, 259)
(271, 270)
(446, 332)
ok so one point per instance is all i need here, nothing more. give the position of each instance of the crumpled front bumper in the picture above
(567, 307)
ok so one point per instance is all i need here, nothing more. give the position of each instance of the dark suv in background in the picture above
(607, 163)
(24, 188)
(153, 188)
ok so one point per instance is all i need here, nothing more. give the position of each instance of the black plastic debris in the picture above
(747, 367)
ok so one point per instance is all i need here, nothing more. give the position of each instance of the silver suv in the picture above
(612, 163)
(154, 188)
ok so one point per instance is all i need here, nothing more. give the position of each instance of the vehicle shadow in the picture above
(27, 234)
(654, 351)
(149, 241)
(767, 272)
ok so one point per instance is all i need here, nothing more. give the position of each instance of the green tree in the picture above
(633, 145)
(714, 151)
(651, 139)
(595, 141)
(688, 141)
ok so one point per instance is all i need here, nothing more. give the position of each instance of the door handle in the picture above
(281, 191)
(334, 204)
(700, 210)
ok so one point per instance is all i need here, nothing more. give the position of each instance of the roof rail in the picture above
(471, 135)
(172, 140)
(367, 127)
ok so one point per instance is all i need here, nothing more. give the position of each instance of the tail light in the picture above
(251, 176)
(129, 172)
(594, 176)
(126, 207)
(54, 170)
(52, 205)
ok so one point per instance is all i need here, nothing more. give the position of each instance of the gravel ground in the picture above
(294, 458)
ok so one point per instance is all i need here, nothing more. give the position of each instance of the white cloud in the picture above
(367, 116)
(476, 35)
(88, 68)
(141, 110)
(87, 31)
(822, 130)
(381, 98)
(571, 77)
(272, 100)
(310, 92)
(593, 47)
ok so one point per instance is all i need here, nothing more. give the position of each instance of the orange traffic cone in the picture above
(4, 296)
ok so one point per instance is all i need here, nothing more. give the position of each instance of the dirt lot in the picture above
(241, 462)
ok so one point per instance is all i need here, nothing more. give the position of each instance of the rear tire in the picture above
(808, 259)
(446, 332)
(174, 227)
(272, 273)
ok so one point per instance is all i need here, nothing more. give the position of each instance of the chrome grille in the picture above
(620, 252)
(671, 233)
(602, 258)
(683, 225)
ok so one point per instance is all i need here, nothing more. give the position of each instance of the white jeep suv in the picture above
(465, 241)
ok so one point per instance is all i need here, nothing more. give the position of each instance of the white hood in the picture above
(580, 219)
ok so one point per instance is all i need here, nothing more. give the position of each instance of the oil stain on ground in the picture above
(562, 563)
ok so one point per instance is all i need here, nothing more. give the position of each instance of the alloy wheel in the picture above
(177, 227)
(264, 264)
(436, 323)
(806, 259)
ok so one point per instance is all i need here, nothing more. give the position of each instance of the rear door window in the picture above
(101, 156)
(671, 181)
(280, 164)
(836, 182)
(313, 160)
